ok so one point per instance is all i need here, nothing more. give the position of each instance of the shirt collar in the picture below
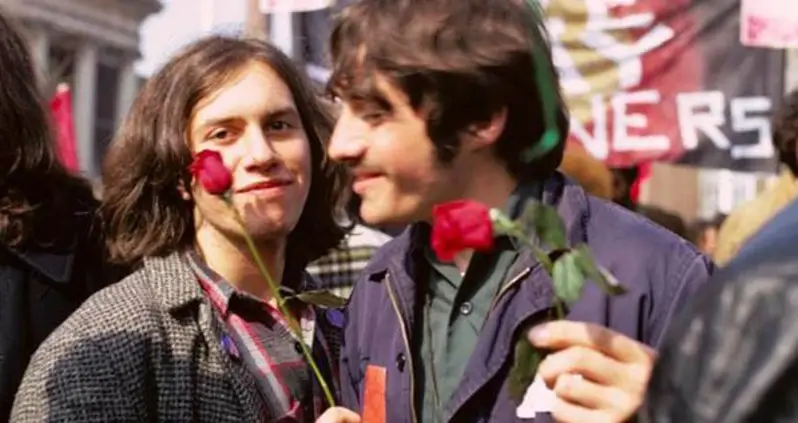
(216, 287)
(223, 292)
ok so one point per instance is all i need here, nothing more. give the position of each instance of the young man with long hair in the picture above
(194, 333)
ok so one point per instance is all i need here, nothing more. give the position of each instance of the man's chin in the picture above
(268, 232)
(383, 215)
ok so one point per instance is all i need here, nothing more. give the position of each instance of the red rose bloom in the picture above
(460, 225)
(208, 168)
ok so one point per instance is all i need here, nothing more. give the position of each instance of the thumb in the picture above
(338, 415)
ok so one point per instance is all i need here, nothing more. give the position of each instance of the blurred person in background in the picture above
(51, 248)
(731, 355)
(746, 219)
(589, 172)
(704, 234)
(623, 178)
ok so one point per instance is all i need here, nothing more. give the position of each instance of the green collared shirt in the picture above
(456, 308)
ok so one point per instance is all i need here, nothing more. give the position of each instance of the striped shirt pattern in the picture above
(260, 337)
(340, 268)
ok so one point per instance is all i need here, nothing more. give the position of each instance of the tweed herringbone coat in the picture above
(146, 349)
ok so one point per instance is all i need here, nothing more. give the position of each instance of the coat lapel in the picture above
(241, 380)
(55, 265)
(176, 285)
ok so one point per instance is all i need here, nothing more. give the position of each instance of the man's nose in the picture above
(348, 142)
(259, 149)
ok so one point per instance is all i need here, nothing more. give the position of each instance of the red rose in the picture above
(208, 168)
(460, 225)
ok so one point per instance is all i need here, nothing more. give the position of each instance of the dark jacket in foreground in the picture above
(39, 288)
(659, 269)
(732, 356)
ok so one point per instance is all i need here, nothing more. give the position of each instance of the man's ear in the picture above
(484, 134)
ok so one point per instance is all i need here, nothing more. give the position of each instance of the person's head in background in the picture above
(38, 196)
(785, 132)
(622, 180)
(705, 233)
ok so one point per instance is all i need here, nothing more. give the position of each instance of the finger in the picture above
(338, 415)
(562, 334)
(563, 411)
(588, 363)
(580, 391)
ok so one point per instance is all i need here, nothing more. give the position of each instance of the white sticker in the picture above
(537, 399)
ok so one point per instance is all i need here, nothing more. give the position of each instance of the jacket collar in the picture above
(173, 281)
(54, 264)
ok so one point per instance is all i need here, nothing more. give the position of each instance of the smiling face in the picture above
(397, 173)
(253, 122)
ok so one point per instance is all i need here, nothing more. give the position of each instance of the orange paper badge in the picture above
(374, 395)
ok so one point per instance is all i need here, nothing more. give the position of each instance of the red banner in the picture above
(63, 120)
(666, 80)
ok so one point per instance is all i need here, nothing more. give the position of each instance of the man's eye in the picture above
(220, 134)
(373, 117)
(279, 125)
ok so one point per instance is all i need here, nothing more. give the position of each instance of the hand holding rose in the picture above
(599, 376)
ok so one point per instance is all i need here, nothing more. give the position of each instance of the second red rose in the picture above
(460, 225)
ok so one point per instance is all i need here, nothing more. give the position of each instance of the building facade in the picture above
(92, 46)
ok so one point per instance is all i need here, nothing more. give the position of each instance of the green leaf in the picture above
(321, 298)
(546, 223)
(525, 365)
(599, 275)
(568, 278)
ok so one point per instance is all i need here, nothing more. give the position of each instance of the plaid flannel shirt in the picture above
(258, 335)
(340, 268)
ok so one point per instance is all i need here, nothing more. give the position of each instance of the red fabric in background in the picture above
(643, 174)
(63, 119)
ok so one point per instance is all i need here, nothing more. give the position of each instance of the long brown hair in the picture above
(38, 197)
(149, 157)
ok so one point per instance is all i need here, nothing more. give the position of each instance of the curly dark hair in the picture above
(148, 159)
(785, 131)
(461, 61)
(39, 198)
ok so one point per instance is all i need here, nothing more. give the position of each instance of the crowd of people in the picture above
(145, 304)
